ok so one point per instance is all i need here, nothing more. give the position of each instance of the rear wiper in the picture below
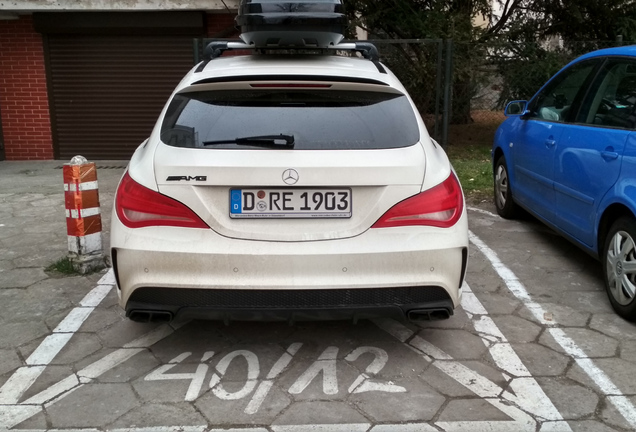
(269, 141)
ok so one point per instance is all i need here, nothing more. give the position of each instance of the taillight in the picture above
(137, 207)
(440, 206)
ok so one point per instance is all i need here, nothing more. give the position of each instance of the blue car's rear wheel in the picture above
(619, 267)
(504, 203)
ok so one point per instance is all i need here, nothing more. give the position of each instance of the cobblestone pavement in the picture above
(535, 346)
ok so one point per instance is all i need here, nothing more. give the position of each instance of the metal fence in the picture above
(424, 67)
(460, 83)
(421, 66)
(487, 76)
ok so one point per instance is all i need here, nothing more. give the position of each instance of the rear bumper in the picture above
(414, 303)
(201, 274)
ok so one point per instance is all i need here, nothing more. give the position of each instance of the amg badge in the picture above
(187, 178)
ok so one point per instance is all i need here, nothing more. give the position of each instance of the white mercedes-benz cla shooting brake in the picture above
(289, 187)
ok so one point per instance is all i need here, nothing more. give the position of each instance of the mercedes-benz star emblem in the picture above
(290, 176)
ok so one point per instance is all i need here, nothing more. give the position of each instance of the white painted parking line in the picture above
(352, 427)
(155, 429)
(524, 395)
(25, 376)
(183, 429)
(12, 414)
(101, 366)
(482, 211)
(602, 381)
(411, 427)
(510, 404)
(477, 383)
(528, 398)
(174, 429)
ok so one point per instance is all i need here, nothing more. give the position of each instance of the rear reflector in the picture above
(440, 206)
(137, 207)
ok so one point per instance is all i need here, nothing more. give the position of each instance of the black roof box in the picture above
(301, 24)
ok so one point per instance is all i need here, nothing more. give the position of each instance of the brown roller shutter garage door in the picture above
(106, 91)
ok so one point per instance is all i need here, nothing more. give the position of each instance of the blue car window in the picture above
(555, 101)
(612, 98)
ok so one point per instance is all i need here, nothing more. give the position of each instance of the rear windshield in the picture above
(316, 119)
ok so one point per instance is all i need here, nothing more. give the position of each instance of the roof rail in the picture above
(216, 48)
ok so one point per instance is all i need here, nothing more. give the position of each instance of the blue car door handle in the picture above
(609, 155)
(550, 143)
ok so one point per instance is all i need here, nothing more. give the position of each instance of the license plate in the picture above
(290, 203)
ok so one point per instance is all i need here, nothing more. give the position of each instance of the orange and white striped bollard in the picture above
(83, 216)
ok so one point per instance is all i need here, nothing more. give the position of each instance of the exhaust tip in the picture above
(146, 316)
(416, 315)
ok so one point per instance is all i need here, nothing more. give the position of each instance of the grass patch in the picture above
(474, 171)
(62, 266)
(469, 151)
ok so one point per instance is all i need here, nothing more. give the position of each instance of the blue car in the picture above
(568, 156)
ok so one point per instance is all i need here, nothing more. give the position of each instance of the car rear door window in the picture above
(557, 99)
(612, 99)
(317, 119)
